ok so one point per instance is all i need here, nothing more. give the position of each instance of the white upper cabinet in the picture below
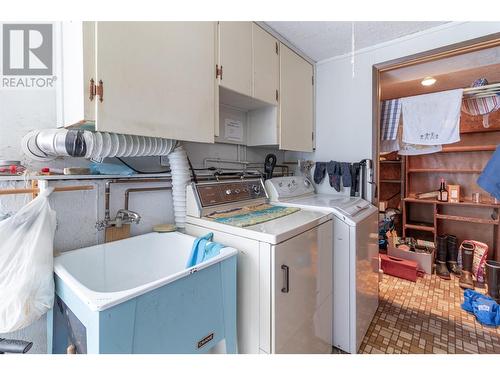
(235, 56)
(296, 102)
(158, 79)
(149, 78)
(265, 66)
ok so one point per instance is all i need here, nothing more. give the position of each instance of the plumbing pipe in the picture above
(47, 144)
(107, 189)
(137, 190)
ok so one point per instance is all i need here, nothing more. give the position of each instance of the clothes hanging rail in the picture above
(482, 91)
(37, 190)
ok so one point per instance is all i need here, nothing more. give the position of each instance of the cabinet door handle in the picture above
(92, 89)
(286, 279)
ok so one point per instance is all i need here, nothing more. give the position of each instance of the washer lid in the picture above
(273, 231)
(354, 209)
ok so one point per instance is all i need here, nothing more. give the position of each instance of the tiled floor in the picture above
(426, 317)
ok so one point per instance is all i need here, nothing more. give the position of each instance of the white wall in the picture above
(344, 101)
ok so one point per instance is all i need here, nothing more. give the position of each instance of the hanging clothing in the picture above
(432, 119)
(390, 112)
(481, 106)
(489, 180)
(345, 170)
(355, 176)
(334, 174)
(319, 171)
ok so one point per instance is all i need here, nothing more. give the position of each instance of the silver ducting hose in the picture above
(179, 168)
(47, 144)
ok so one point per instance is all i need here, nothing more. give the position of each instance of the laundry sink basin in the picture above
(137, 296)
(107, 274)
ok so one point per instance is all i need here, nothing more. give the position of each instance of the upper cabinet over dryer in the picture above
(144, 78)
(249, 61)
(235, 56)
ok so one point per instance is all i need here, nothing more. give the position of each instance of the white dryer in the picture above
(284, 264)
(355, 255)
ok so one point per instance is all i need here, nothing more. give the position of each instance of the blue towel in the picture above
(203, 249)
(486, 310)
(489, 180)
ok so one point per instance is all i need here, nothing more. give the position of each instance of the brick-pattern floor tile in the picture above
(426, 317)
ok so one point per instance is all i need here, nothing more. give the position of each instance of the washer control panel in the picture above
(217, 193)
(288, 187)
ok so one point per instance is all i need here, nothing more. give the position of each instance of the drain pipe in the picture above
(179, 168)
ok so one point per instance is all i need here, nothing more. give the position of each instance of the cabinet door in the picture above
(303, 292)
(235, 41)
(265, 66)
(296, 102)
(77, 69)
(158, 79)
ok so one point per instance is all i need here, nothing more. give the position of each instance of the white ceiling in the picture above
(320, 40)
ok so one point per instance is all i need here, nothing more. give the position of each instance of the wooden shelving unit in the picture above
(391, 181)
(460, 163)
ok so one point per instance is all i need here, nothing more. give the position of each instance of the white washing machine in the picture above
(355, 255)
(284, 265)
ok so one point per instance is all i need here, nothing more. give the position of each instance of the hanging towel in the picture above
(334, 174)
(390, 112)
(345, 169)
(203, 249)
(489, 180)
(319, 171)
(486, 310)
(432, 119)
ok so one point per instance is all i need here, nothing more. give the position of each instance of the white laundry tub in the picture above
(137, 296)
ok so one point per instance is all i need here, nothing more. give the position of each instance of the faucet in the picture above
(123, 216)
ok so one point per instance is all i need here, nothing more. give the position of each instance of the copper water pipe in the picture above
(136, 190)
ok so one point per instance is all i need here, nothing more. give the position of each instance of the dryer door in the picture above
(302, 309)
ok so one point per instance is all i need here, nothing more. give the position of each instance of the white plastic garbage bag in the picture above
(26, 264)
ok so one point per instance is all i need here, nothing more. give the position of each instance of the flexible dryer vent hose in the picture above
(47, 144)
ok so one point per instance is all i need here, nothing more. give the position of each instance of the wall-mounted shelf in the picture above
(467, 219)
(462, 203)
(443, 170)
(469, 148)
(391, 181)
(420, 226)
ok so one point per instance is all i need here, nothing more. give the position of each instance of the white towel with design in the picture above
(432, 119)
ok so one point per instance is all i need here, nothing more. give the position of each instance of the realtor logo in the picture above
(27, 49)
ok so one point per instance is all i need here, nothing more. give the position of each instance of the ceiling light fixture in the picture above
(428, 81)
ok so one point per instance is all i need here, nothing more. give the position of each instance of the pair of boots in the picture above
(446, 257)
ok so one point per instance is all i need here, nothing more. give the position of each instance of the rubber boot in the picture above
(441, 269)
(452, 255)
(493, 279)
(466, 281)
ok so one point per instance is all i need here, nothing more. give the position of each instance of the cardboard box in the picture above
(424, 261)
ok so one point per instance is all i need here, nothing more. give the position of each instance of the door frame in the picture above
(487, 41)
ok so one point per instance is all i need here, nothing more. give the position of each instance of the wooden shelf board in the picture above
(391, 181)
(390, 161)
(467, 219)
(443, 170)
(469, 148)
(424, 227)
(463, 203)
